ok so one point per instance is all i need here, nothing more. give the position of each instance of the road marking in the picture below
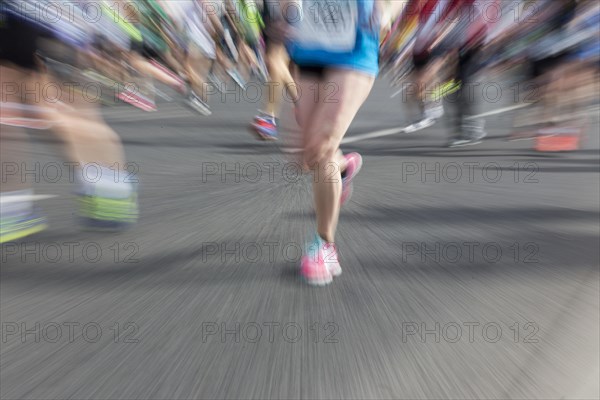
(384, 132)
(371, 135)
(499, 111)
(32, 197)
(395, 131)
(400, 91)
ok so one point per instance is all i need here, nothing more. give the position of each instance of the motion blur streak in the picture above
(155, 204)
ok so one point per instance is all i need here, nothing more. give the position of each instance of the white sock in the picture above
(18, 208)
(106, 185)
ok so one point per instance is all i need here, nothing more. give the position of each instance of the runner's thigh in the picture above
(341, 94)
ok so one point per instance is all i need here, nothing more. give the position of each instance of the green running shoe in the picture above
(18, 227)
(101, 213)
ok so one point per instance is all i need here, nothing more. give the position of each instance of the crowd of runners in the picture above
(428, 49)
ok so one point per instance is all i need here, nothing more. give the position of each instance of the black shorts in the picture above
(144, 49)
(19, 41)
(420, 62)
(315, 71)
(544, 65)
(269, 16)
(422, 59)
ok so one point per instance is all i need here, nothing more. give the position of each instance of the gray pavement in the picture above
(468, 273)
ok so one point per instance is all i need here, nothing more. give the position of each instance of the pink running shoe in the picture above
(353, 165)
(313, 267)
(315, 273)
(330, 258)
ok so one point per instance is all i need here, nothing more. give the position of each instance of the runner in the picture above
(280, 78)
(466, 40)
(199, 50)
(18, 217)
(445, 55)
(570, 54)
(548, 47)
(106, 201)
(417, 64)
(427, 61)
(232, 53)
(337, 49)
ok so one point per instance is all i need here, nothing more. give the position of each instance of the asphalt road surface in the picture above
(468, 273)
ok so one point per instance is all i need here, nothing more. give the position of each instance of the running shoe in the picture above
(330, 258)
(265, 127)
(464, 141)
(312, 266)
(103, 213)
(196, 103)
(426, 115)
(17, 227)
(560, 138)
(419, 125)
(474, 137)
(354, 163)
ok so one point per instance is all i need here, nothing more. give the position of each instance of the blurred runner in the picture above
(149, 55)
(44, 56)
(446, 49)
(336, 51)
(18, 218)
(568, 54)
(280, 77)
(466, 40)
(233, 56)
(198, 47)
(427, 58)
(560, 48)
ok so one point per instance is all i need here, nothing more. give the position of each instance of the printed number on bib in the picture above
(329, 25)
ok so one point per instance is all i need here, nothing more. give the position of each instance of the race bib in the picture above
(329, 25)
